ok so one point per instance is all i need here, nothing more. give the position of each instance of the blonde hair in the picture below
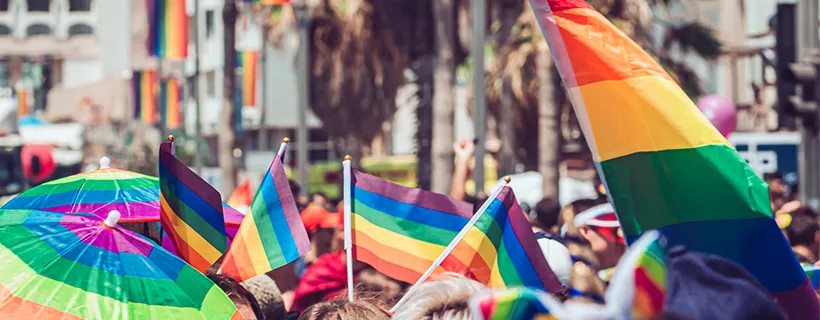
(341, 309)
(446, 297)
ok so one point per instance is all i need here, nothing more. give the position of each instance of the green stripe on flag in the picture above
(408, 228)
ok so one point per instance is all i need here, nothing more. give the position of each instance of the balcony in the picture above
(48, 27)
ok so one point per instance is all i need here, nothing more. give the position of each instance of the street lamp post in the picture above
(302, 139)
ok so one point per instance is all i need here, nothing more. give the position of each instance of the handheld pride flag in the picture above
(664, 165)
(512, 304)
(168, 29)
(498, 249)
(400, 231)
(272, 234)
(190, 211)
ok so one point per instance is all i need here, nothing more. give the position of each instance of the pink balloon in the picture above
(721, 112)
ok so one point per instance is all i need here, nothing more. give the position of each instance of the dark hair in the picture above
(803, 229)
(341, 309)
(582, 205)
(547, 212)
(294, 187)
(234, 289)
(772, 176)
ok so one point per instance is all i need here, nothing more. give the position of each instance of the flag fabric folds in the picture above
(272, 234)
(400, 231)
(664, 165)
(170, 103)
(144, 95)
(168, 29)
(501, 250)
(190, 212)
(512, 304)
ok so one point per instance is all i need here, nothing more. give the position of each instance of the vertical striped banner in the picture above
(144, 93)
(170, 103)
(248, 61)
(22, 102)
(168, 29)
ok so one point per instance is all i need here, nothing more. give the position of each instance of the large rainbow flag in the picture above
(400, 231)
(170, 96)
(272, 234)
(501, 250)
(168, 29)
(144, 95)
(190, 212)
(664, 165)
(249, 62)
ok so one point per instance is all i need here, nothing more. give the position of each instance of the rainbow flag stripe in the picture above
(270, 2)
(814, 275)
(168, 29)
(144, 94)
(170, 98)
(650, 282)
(503, 250)
(272, 234)
(664, 165)
(22, 103)
(511, 304)
(190, 212)
(249, 62)
(400, 231)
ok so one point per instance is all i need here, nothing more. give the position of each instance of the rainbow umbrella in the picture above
(80, 266)
(99, 191)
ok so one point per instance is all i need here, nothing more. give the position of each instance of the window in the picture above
(80, 29)
(209, 24)
(38, 30)
(5, 30)
(38, 5)
(4, 5)
(210, 84)
(79, 5)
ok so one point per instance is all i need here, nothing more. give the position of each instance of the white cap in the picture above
(558, 258)
(105, 163)
(589, 217)
(112, 219)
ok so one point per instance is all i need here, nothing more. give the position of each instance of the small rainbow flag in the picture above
(272, 234)
(249, 62)
(512, 304)
(502, 249)
(400, 231)
(665, 165)
(144, 92)
(190, 212)
(168, 29)
(170, 96)
(22, 102)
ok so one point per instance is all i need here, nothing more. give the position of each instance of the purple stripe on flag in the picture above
(187, 176)
(796, 301)
(417, 197)
(297, 228)
(523, 231)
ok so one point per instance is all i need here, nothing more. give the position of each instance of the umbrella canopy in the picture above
(134, 195)
(74, 266)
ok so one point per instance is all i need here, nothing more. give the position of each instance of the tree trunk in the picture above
(443, 100)
(226, 134)
(424, 117)
(549, 134)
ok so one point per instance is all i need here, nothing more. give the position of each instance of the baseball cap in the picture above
(558, 258)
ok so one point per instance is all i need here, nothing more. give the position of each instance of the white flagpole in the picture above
(282, 148)
(452, 244)
(173, 147)
(347, 226)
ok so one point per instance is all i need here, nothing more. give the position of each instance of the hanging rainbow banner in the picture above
(168, 33)
(22, 103)
(270, 2)
(170, 103)
(248, 61)
(144, 88)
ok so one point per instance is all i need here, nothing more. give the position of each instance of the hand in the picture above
(789, 207)
(464, 149)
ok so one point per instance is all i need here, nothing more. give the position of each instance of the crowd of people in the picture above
(315, 286)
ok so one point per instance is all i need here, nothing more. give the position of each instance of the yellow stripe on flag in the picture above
(256, 251)
(189, 235)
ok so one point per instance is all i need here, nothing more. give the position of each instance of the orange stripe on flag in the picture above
(600, 52)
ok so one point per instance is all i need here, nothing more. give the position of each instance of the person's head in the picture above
(480, 198)
(319, 199)
(557, 256)
(341, 309)
(599, 226)
(777, 187)
(547, 212)
(312, 217)
(383, 288)
(803, 229)
(245, 302)
(447, 297)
